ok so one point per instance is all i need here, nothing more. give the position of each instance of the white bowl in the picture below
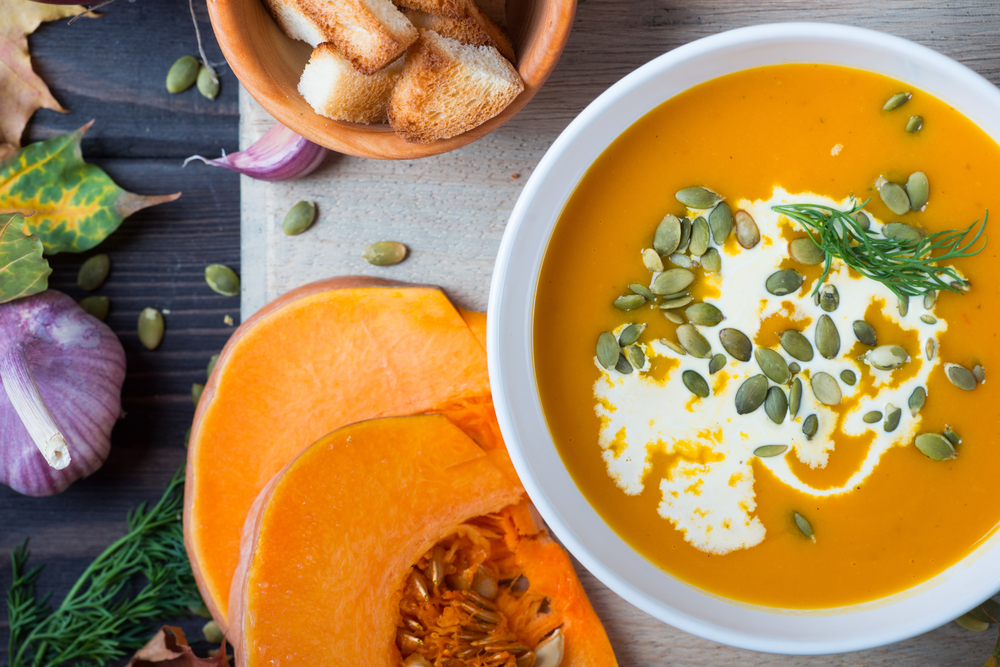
(512, 294)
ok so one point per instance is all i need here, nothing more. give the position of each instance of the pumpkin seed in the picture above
(783, 282)
(630, 302)
(960, 376)
(918, 190)
(795, 398)
(384, 253)
(772, 364)
(803, 525)
(208, 82)
(182, 74)
(736, 343)
(711, 261)
(695, 383)
(865, 333)
(887, 357)
(862, 220)
(698, 197)
(93, 272)
(872, 417)
(222, 280)
(794, 367)
(901, 233)
(896, 101)
(635, 356)
(642, 291)
(150, 328)
(892, 416)
(622, 365)
(721, 222)
(935, 447)
(672, 280)
(747, 234)
(214, 359)
(630, 334)
(700, 237)
(652, 260)
(550, 651)
(979, 373)
(809, 426)
(827, 337)
(751, 394)
(848, 377)
(776, 405)
(674, 346)
(679, 302)
(797, 345)
(951, 435)
(98, 306)
(767, 451)
(825, 388)
(894, 197)
(804, 251)
(929, 298)
(212, 632)
(668, 235)
(829, 298)
(607, 350)
(196, 391)
(916, 400)
(928, 319)
(915, 124)
(674, 316)
(681, 260)
(693, 342)
(704, 314)
(969, 622)
(929, 348)
(299, 218)
(685, 235)
(903, 304)
(717, 363)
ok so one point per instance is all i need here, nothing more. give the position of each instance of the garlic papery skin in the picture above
(22, 390)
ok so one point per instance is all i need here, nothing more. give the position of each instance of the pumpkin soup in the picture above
(781, 312)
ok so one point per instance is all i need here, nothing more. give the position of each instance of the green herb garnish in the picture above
(908, 269)
(105, 614)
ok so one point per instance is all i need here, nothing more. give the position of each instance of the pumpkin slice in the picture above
(321, 357)
(398, 539)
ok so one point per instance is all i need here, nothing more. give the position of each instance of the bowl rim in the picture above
(509, 352)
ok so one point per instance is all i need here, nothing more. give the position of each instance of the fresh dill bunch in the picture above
(908, 269)
(107, 613)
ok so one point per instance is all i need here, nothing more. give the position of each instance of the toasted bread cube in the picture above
(448, 88)
(476, 29)
(453, 9)
(334, 88)
(369, 33)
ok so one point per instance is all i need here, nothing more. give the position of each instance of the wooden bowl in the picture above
(268, 64)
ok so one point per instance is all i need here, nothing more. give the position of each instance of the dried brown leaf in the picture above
(169, 648)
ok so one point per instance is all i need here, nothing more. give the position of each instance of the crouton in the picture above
(453, 9)
(476, 29)
(334, 88)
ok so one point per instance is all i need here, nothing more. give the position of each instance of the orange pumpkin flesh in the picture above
(331, 543)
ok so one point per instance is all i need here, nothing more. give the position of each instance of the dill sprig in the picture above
(106, 613)
(908, 269)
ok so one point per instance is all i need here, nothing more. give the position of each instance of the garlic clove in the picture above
(280, 155)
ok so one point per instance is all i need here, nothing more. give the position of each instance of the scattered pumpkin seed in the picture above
(678, 302)
(773, 365)
(208, 82)
(701, 236)
(685, 235)
(698, 197)
(825, 388)
(681, 260)
(804, 251)
(751, 394)
(827, 337)
(865, 333)
(711, 260)
(607, 350)
(767, 451)
(675, 295)
(652, 260)
(896, 101)
(928, 319)
(299, 218)
(795, 398)
(960, 376)
(222, 280)
(776, 405)
(872, 417)
(678, 350)
(695, 383)
(951, 436)
(903, 303)
(803, 525)
(893, 196)
(214, 359)
(929, 348)
(98, 306)
(672, 280)
(182, 74)
(828, 298)
(796, 345)
(384, 253)
(630, 334)
(196, 390)
(736, 343)
(848, 377)
(809, 426)
(622, 365)
(150, 328)
(550, 650)
(704, 314)
(892, 417)
(668, 235)
(916, 400)
(794, 367)
(862, 219)
(212, 632)
(721, 222)
(915, 124)
(635, 356)
(94, 272)
(674, 316)
(630, 302)
(918, 190)
(929, 298)
(783, 282)
(887, 357)
(693, 342)
(969, 622)
(901, 233)
(642, 291)
(935, 447)
(979, 373)
(747, 234)
(717, 363)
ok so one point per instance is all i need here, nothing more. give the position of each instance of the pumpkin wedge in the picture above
(323, 356)
(399, 540)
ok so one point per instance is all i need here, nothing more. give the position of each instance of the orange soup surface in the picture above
(855, 512)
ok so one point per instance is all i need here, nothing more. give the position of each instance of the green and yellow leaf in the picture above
(23, 270)
(70, 205)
